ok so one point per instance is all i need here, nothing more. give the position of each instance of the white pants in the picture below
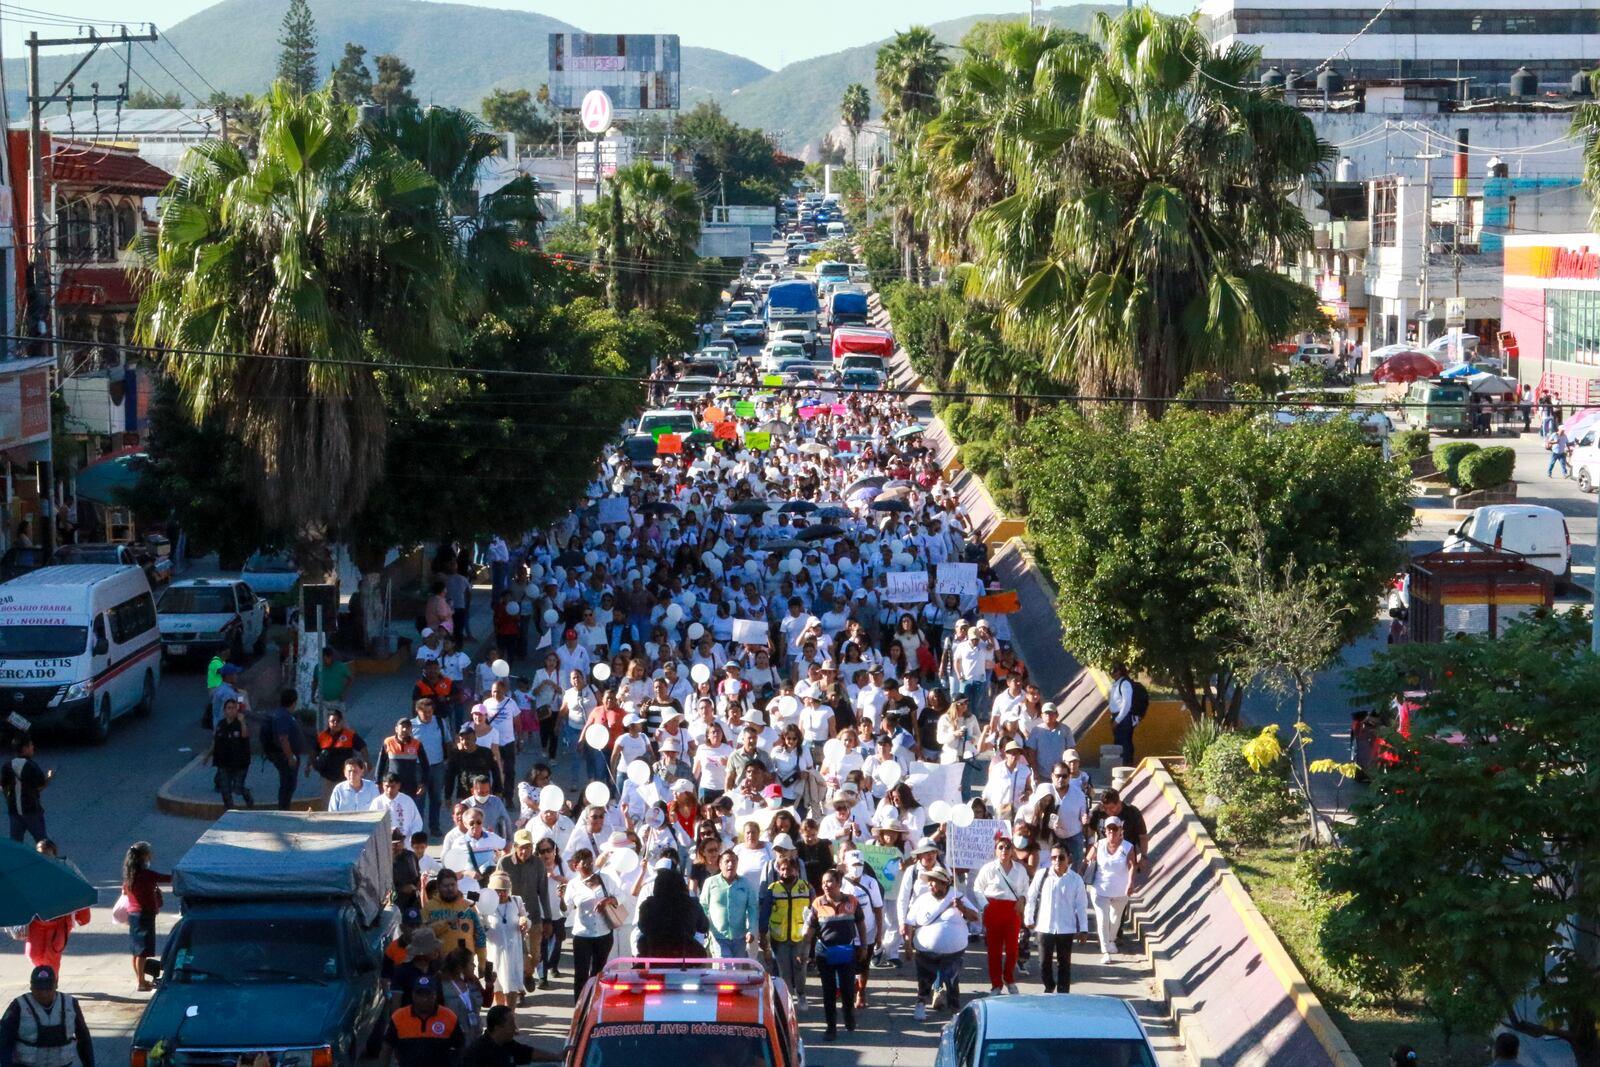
(891, 928)
(1108, 917)
(622, 941)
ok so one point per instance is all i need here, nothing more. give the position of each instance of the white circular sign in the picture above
(596, 111)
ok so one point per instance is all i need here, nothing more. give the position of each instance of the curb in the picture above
(1170, 986)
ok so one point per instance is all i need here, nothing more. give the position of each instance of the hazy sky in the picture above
(772, 34)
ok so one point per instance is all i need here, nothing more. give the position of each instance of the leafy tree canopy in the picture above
(731, 158)
(392, 87)
(516, 111)
(351, 81)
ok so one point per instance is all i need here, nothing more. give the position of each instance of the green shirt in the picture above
(332, 680)
(732, 907)
(214, 671)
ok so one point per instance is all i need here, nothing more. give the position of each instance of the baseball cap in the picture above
(773, 790)
(682, 785)
(1048, 706)
(522, 837)
(230, 668)
(924, 846)
(424, 984)
(1113, 821)
(783, 841)
(427, 631)
(631, 719)
(43, 977)
(465, 729)
(1071, 756)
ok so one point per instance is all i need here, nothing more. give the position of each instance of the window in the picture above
(132, 617)
(127, 225)
(1385, 211)
(1572, 326)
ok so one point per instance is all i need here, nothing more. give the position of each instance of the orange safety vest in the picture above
(397, 750)
(408, 1026)
(343, 739)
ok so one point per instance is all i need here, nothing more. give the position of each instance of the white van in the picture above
(1534, 531)
(79, 646)
(835, 230)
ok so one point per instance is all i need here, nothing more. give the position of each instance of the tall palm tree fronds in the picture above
(654, 235)
(855, 107)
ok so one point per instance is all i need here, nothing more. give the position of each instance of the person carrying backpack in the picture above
(1129, 700)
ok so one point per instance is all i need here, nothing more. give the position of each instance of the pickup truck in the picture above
(286, 916)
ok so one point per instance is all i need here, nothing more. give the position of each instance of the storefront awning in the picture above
(101, 480)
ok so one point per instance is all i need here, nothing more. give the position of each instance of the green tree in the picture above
(1130, 517)
(651, 227)
(732, 160)
(145, 98)
(908, 70)
(297, 61)
(392, 87)
(332, 242)
(1151, 213)
(855, 107)
(516, 111)
(351, 81)
(1467, 874)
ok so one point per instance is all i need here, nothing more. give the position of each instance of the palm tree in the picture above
(332, 247)
(855, 107)
(908, 70)
(1151, 206)
(651, 223)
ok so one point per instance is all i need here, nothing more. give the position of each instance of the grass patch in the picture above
(1373, 1030)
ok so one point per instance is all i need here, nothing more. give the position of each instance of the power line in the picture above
(191, 66)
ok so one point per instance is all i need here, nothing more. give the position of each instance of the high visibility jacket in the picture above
(424, 1042)
(787, 923)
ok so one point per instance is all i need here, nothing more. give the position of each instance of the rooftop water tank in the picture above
(1272, 79)
(1329, 81)
(1524, 82)
(1580, 84)
(1344, 170)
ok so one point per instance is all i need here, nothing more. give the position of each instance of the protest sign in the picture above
(840, 409)
(758, 441)
(906, 587)
(886, 861)
(613, 509)
(744, 409)
(810, 411)
(713, 415)
(958, 579)
(726, 431)
(771, 379)
(749, 632)
(1006, 603)
(669, 444)
(972, 846)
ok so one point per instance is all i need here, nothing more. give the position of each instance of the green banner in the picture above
(744, 409)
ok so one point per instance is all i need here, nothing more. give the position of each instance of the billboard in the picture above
(639, 71)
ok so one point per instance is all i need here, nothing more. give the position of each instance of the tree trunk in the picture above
(372, 613)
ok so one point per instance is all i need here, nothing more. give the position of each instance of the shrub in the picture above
(980, 457)
(1487, 468)
(1408, 445)
(1007, 501)
(1308, 376)
(1252, 819)
(998, 478)
(956, 415)
(1223, 768)
(987, 419)
(1201, 735)
(1448, 456)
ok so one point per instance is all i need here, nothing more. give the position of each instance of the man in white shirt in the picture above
(972, 657)
(794, 626)
(353, 794)
(432, 646)
(1010, 780)
(502, 714)
(1011, 705)
(549, 823)
(1120, 700)
(571, 655)
(403, 813)
(870, 701)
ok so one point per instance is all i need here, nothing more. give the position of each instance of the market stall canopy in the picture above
(36, 886)
(101, 480)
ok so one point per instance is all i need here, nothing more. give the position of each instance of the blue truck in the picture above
(792, 305)
(847, 307)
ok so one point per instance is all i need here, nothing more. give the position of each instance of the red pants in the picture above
(1002, 924)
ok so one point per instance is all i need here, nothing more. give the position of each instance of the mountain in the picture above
(459, 52)
(803, 97)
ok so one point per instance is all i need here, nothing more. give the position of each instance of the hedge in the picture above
(1448, 456)
(1487, 468)
(955, 416)
(1411, 444)
(980, 457)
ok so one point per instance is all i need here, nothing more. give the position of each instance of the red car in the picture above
(1406, 367)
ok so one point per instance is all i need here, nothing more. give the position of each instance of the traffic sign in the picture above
(596, 111)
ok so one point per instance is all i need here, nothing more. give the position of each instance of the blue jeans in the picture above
(433, 791)
(1561, 458)
(976, 694)
(730, 948)
(596, 764)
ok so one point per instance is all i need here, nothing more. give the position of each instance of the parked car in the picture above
(202, 616)
(1047, 1028)
(274, 577)
(156, 566)
(1406, 366)
(1320, 355)
(1537, 533)
(1584, 459)
(690, 389)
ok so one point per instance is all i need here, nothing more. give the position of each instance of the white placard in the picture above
(906, 587)
(972, 846)
(613, 510)
(957, 579)
(749, 632)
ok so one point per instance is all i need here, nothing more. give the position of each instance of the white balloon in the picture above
(623, 861)
(962, 815)
(674, 613)
(513, 608)
(551, 798)
(599, 538)
(714, 565)
(794, 554)
(888, 773)
(597, 736)
(696, 631)
(550, 616)
(501, 668)
(700, 673)
(537, 570)
(597, 793)
(939, 811)
(688, 599)
(752, 568)
(560, 574)
(591, 558)
(638, 772)
(830, 571)
(601, 672)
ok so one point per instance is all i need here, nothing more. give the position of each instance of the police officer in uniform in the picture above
(44, 1028)
(422, 1034)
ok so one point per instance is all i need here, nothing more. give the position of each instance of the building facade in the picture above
(1552, 313)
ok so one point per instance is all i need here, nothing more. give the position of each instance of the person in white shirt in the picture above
(1111, 871)
(1011, 704)
(841, 825)
(972, 656)
(1002, 884)
(576, 704)
(476, 851)
(1057, 909)
(354, 793)
(549, 824)
(629, 746)
(958, 732)
(938, 922)
(816, 724)
(572, 655)
(591, 833)
(870, 701)
(432, 647)
(1120, 703)
(1010, 780)
(502, 715)
(403, 813)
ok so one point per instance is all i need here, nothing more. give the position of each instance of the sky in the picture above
(772, 34)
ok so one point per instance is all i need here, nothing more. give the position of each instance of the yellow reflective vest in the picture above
(787, 923)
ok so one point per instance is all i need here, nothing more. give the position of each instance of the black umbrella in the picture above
(798, 507)
(890, 505)
(750, 507)
(785, 545)
(571, 558)
(659, 507)
(872, 481)
(900, 483)
(698, 438)
(834, 514)
(818, 532)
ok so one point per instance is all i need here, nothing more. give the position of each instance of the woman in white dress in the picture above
(504, 920)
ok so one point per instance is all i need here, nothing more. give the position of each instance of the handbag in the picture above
(119, 910)
(612, 912)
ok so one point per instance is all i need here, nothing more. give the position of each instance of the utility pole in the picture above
(1427, 235)
(40, 279)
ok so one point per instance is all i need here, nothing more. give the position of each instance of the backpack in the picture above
(1140, 702)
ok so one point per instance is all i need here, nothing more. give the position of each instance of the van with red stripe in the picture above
(703, 1013)
(79, 646)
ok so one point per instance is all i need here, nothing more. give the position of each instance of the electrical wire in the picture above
(170, 44)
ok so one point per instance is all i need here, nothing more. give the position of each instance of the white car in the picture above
(778, 353)
(692, 388)
(1319, 355)
(1584, 459)
(747, 331)
(199, 616)
(1048, 1028)
(1538, 533)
